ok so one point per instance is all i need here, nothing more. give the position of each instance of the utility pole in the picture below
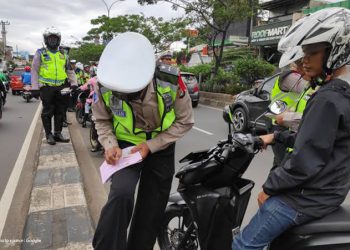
(110, 6)
(3, 32)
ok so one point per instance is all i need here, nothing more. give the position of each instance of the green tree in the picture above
(217, 14)
(161, 33)
(251, 69)
(86, 52)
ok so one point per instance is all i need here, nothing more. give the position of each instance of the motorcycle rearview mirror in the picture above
(227, 115)
(277, 107)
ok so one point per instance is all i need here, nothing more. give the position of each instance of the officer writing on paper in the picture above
(137, 105)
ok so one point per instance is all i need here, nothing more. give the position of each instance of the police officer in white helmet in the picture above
(141, 107)
(50, 69)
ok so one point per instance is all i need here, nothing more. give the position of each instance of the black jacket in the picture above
(315, 178)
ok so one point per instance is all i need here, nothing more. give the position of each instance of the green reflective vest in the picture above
(291, 98)
(301, 104)
(52, 70)
(80, 77)
(123, 117)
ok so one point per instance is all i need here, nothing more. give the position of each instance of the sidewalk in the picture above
(58, 216)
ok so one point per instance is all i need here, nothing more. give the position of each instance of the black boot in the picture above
(59, 138)
(66, 123)
(50, 139)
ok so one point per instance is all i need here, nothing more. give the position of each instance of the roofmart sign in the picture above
(270, 33)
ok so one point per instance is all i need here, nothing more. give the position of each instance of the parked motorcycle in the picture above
(212, 199)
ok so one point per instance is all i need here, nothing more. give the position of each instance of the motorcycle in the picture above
(80, 106)
(212, 199)
(26, 94)
(1, 104)
(6, 85)
(2, 101)
(95, 144)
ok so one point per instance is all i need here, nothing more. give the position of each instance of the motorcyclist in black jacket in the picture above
(314, 179)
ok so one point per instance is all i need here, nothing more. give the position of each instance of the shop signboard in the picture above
(269, 34)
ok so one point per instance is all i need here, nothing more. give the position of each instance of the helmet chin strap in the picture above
(326, 72)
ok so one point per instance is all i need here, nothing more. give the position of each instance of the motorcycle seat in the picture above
(176, 198)
(338, 221)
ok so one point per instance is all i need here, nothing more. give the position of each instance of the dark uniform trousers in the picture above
(53, 105)
(155, 174)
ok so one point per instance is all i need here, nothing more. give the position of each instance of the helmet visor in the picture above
(52, 41)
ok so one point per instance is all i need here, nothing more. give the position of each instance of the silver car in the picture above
(193, 87)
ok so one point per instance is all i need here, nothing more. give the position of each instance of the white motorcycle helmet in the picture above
(291, 55)
(79, 65)
(331, 26)
(127, 64)
(52, 37)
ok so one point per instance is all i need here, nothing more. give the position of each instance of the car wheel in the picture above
(239, 118)
(13, 92)
(194, 104)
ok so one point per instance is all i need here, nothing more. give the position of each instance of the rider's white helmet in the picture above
(79, 65)
(127, 64)
(291, 55)
(331, 25)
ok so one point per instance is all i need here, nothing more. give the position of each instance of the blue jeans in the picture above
(273, 218)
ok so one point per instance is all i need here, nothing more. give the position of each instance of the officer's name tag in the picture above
(119, 112)
(117, 107)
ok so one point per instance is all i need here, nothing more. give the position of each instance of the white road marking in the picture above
(11, 186)
(202, 130)
(205, 106)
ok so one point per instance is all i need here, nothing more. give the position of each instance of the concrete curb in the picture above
(218, 100)
(16, 218)
(58, 216)
(95, 192)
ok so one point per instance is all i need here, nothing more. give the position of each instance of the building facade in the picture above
(280, 16)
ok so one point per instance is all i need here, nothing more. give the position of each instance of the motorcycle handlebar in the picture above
(258, 143)
(225, 154)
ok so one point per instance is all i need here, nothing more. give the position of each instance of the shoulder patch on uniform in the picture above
(103, 90)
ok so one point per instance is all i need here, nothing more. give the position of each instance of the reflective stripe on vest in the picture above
(124, 119)
(52, 70)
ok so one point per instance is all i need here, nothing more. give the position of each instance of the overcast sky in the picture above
(29, 18)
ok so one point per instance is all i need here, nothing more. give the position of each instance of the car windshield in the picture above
(268, 85)
(17, 72)
(189, 79)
